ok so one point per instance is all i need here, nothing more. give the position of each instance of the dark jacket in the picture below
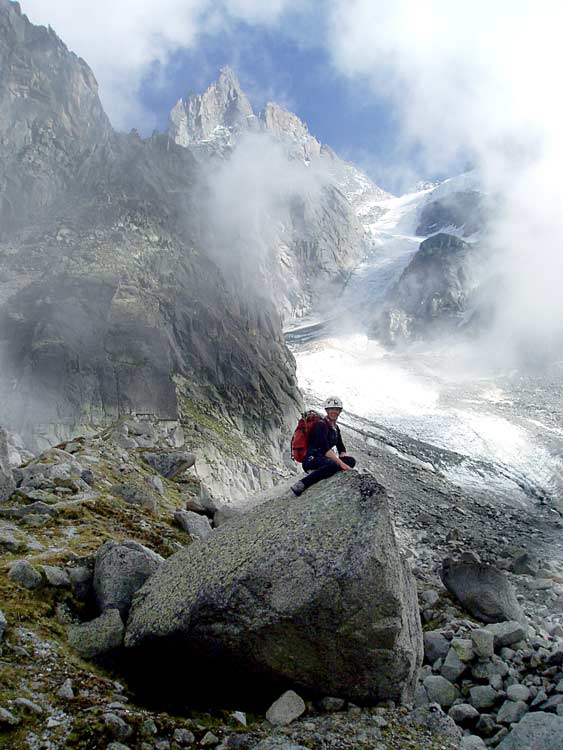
(323, 438)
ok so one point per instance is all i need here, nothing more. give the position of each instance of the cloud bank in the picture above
(479, 80)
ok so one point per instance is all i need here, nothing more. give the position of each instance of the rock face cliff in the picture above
(432, 295)
(109, 301)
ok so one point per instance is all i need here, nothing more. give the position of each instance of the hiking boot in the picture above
(298, 488)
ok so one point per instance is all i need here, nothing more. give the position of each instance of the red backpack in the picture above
(300, 439)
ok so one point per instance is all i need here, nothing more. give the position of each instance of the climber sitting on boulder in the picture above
(321, 460)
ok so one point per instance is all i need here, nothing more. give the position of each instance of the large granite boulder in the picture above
(121, 568)
(7, 484)
(308, 593)
(483, 590)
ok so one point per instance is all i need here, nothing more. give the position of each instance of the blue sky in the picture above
(271, 66)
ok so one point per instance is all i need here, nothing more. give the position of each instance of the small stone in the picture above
(440, 690)
(117, 746)
(66, 691)
(482, 696)
(483, 642)
(430, 598)
(332, 704)
(286, 709)
(464, 714)
(506, 633)
(169, 464)
(134, 494)
(240, 717)
(116, 726)
(56, 576)
(7, 718)
(209, 739)
(149, 728)
(453, 667)
(511, 712)
(193, 523)
(23, 573)
(463, 648)
(81, 582)
(28, 705)
(486, 725)
(518, 693)
(157, 484)
(99, 636)
(436, 646)
(183, 737)
(472, 742)
(3, 624)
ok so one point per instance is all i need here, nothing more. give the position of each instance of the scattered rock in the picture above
(116, 726)
(332, 704)
(24, 574)
(483, 696)
(28, 705)
(195, 524)
(482, 590)
(66, 691)
(3, 625)
(169, 464)
(209, 739)
(441, 691)
(437, 721)
(472, 742)
(506, 633)
(56, 576)
(525, 564)
(286, 709)
(464, 714)
(99, 636)
(135, 494)
(453, 667)
(511, 712)
(536, 731)
(518, 693)
(121, 568)
(483, 642)
(435, 646)
(278, 743)
(7, 718)
(182, 737)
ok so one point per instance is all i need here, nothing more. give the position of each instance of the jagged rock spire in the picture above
(224, 104)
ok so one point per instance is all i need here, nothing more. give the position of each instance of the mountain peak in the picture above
(286, 125)
(223, 105)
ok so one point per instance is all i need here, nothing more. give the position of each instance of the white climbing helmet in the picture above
(333, 402)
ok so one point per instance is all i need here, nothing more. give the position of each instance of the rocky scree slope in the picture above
(94, 518)
(89, 522)
(109, 301)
